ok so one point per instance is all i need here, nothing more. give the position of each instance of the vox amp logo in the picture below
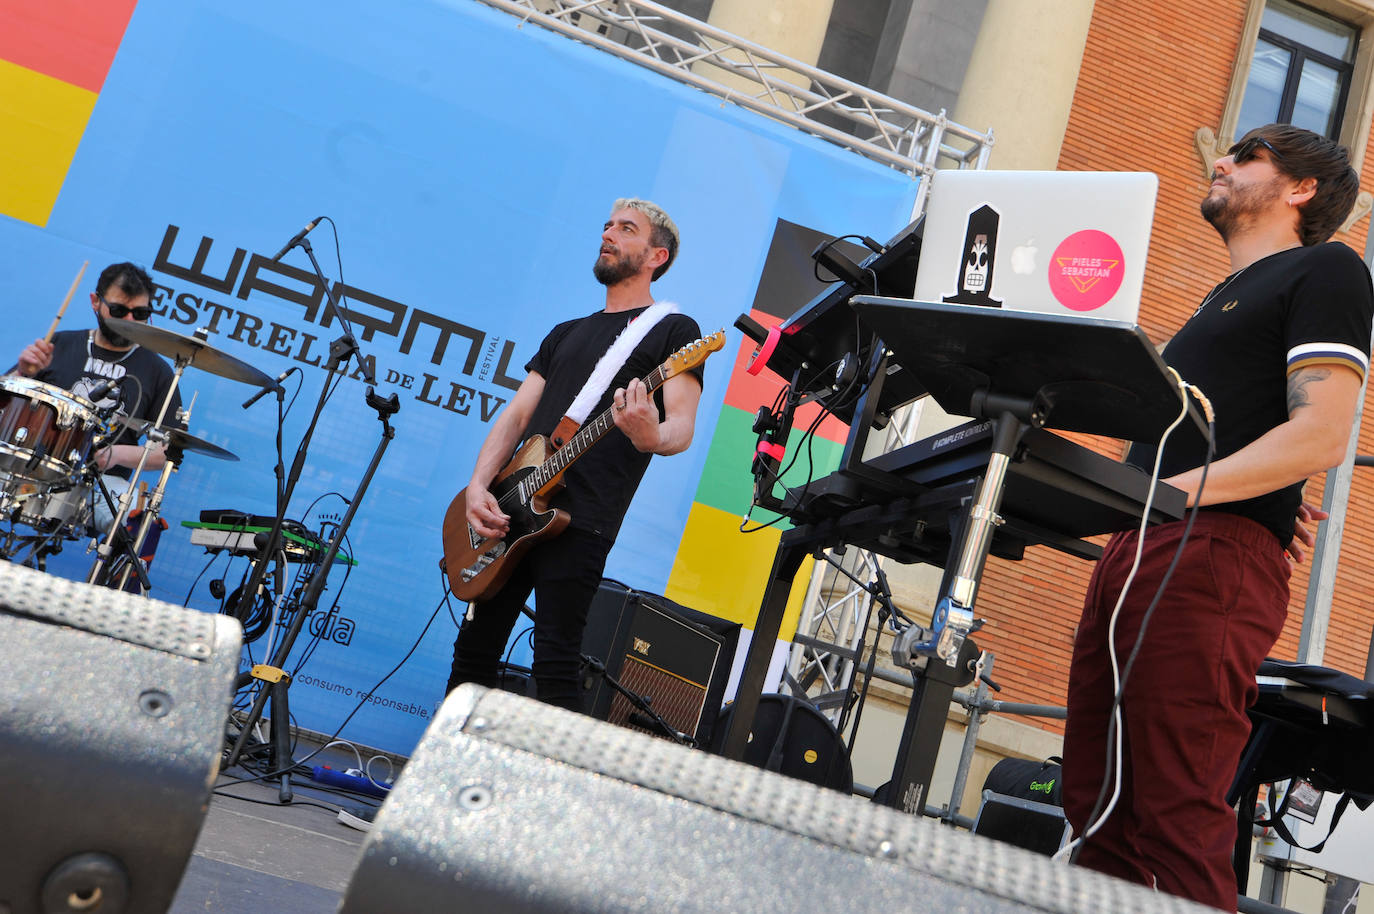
(641, 646)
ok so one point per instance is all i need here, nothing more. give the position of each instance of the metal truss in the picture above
(751, 76)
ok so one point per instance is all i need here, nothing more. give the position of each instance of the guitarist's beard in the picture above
(613, 272)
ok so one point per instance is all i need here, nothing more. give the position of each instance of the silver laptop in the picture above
(1060, 242)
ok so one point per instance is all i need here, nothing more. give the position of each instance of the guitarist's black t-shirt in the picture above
(601, 483)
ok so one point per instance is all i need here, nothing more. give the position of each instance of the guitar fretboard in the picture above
(586, 436)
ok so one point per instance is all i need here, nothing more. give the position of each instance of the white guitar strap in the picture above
(614, 359)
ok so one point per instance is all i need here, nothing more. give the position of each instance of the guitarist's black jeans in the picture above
(563, 574)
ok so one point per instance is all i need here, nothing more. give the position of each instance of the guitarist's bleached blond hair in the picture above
(664, 234)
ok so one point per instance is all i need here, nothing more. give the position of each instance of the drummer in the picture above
(82, 361)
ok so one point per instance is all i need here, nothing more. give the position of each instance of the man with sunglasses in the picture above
(1279, 347)
(83, 361)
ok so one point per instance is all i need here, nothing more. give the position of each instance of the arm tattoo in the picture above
(1297, 386)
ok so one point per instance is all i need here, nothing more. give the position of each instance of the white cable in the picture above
(343, 742)
(1118, 748)
(390, 771)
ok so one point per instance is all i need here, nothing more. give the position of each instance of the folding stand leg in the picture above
(785, 564)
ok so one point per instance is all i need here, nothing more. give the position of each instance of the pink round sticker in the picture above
(1086, 270)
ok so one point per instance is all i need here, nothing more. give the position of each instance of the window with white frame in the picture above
(1310, 64)
(1301, 70)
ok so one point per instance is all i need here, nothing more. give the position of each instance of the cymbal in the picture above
(177, 438)
(193, 351)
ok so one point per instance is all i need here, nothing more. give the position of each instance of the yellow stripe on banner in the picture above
(723, 572)
(41, 123)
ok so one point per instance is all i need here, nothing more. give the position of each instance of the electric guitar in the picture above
(477, 567)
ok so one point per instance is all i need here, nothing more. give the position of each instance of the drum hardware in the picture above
(194, 351)
(151, 507)
(46, 433)
(184, 351)
(175, 437)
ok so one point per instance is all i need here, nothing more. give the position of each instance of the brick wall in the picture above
(1152, 74)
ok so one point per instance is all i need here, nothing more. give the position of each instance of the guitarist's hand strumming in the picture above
(484, 514)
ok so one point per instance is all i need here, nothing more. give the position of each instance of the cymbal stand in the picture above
(151, 513)
(106, 548)
(274, 673)
(124, 543)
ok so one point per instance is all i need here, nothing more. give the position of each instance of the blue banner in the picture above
(468, 164)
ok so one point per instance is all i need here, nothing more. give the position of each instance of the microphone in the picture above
(275, 385)
(297, 238)
(102, 390)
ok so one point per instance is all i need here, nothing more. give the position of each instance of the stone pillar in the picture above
(792, 28)
(1021, 78)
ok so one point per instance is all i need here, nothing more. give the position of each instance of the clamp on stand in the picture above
(952, 620)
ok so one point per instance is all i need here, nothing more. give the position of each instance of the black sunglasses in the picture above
(141, 313)
(1245, 150)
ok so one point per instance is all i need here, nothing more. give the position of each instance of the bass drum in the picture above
(46, 433)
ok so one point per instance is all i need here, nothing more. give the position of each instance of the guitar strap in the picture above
(606, 368)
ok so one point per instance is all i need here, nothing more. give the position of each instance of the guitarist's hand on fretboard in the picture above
(484, 514)
(636, 415)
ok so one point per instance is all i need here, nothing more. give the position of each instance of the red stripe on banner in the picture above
(71, 40)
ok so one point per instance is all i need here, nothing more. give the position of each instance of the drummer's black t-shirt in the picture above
(79, 365)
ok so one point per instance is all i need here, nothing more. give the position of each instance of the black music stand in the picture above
(1021, 371)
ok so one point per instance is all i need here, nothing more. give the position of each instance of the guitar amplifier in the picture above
(676, 658)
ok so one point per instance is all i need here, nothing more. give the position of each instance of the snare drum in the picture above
(47, 507)
(46, 433)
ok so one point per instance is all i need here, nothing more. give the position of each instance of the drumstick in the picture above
(67, 301)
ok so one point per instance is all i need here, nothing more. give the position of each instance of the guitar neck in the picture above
(588, 435)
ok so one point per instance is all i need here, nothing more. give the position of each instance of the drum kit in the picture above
(49, 439)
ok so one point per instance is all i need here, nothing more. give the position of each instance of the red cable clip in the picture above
(769, 449)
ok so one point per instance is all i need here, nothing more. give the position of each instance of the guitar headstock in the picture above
(693, 354)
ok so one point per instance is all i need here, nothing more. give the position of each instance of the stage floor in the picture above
(254, 851)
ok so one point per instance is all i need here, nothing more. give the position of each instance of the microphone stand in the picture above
(281, 680)
(651, 719)
(275, 679)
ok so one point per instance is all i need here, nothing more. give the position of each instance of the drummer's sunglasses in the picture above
(141, 313)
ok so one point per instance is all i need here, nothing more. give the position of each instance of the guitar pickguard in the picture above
(497, 550)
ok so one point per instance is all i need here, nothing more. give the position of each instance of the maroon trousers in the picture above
(1184, 706)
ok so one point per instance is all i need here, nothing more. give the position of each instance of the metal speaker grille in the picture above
(123, 616)
(673, 698)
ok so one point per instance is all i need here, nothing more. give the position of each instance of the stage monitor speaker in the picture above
(112, 714)
(676, 658)
(515, 806)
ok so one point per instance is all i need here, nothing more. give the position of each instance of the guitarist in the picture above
(638, 244)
